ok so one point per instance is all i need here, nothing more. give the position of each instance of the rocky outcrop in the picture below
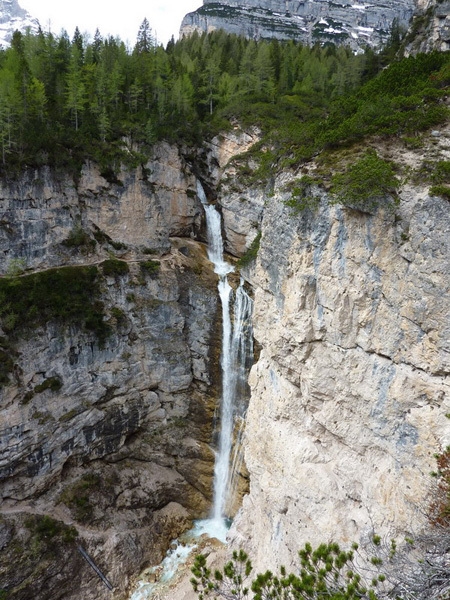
(351, 394)
(430, 28)
(111, 435)
(139, 210)
(353, 23)
(122, 445)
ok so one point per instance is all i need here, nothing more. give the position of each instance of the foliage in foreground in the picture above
(325, 572)
(419, 570)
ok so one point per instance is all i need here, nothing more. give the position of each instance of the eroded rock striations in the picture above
(351, 393)
(106, 429)
(357, 24)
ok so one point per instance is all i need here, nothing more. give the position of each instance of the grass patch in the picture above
(443, 191)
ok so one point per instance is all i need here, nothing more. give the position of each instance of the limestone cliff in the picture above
(430, 28)
(109, 434)
(350, 396)
(353, 23)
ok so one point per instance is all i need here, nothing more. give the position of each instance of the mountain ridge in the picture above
(13, 17)
(356, 24)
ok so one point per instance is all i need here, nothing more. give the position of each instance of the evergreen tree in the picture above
(145, 42)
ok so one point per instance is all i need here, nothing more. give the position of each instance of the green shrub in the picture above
(150, 267)
(118, 314)
(301, 196)
(78, 238)
(114, 267)
(77, 496)
(366, 183)
(69, 295)
(440, 172)
(45, 528)
(118, 245)
(251, 253)
(52, 383)
(104, 238)
(325, 572)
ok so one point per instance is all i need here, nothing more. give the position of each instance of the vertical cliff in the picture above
(109, 379)
(316, 21)
(106, 420)
(350, 396)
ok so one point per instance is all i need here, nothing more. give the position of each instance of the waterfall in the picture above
(237, 347)
(236, 358)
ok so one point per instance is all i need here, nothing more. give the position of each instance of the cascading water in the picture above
(236, 358)
(237, 347)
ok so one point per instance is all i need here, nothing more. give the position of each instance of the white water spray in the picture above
(237, 353)
(236, 348)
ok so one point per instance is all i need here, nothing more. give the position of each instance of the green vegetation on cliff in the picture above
(65, 295)
(62, 100)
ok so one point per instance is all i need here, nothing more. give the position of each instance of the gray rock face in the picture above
(120, 447)
(351, 390)
(38, 212)
(430, 28)
(357, 24)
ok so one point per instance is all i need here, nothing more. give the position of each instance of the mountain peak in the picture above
(13, 17)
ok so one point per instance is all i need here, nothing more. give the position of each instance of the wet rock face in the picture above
(111, 435)
(351, 23)
(351, 391)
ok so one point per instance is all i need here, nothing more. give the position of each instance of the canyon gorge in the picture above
(349, 393)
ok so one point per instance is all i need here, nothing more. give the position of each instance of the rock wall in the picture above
(353, 23)
(351, 390)
(140, 210)
(430, 28)
(349, 395)
(120, 447)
